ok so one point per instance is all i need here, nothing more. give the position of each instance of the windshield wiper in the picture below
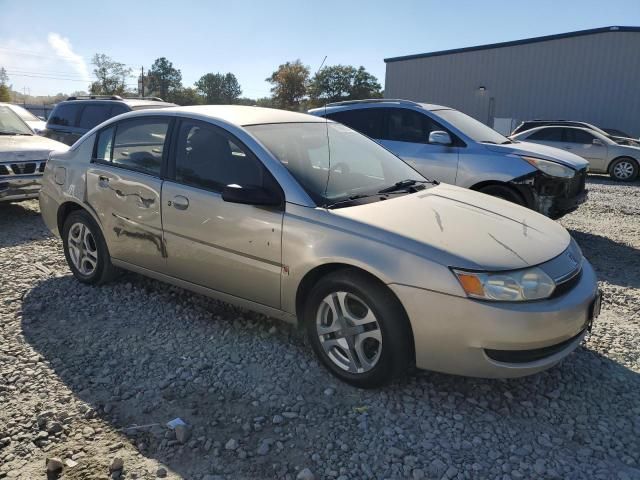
(14, 133)
(402, 185)
(350, 200)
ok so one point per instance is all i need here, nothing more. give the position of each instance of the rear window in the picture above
(93, 115)
(547, 135)
(64, 115)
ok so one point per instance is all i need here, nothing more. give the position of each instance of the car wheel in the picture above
(358, 329)
(504, 192)
(624, 169)
(85, 249)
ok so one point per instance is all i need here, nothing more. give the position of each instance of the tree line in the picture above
(292, 85)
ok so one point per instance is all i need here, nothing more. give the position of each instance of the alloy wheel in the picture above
(349, 332)
(623, 170)
(83, 250)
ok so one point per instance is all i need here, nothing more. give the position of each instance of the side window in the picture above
(93, 115)
(206, 157)
(104, 144)
(118, 109)
(578, 136)
(64, 115)
(547, 135)
(367, 121)
(138, 144)
(407, 126)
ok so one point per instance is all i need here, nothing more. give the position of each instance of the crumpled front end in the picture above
(553, 196)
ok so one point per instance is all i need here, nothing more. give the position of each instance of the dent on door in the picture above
(128, 205)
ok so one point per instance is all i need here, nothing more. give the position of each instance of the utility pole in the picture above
(142, 81)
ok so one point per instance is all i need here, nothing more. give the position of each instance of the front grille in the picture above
(578, 182)
(526, 356)
(22, 168)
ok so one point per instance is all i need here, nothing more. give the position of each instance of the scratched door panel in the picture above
(229, 247)
(128, 205)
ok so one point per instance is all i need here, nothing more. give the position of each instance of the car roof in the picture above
(132, 102)
(239, 115)
(378, 102)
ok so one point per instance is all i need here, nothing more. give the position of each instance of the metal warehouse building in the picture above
(589, 75)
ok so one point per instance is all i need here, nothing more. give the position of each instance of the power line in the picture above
(54, 55)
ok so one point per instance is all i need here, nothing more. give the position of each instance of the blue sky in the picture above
(250, 38)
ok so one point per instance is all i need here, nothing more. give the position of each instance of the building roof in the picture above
(524, 41)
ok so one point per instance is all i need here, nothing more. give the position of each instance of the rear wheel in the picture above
(624, 169)
(85, 249)
(502, 191)
(358, 329)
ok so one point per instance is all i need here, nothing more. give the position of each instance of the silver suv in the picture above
(448, 146)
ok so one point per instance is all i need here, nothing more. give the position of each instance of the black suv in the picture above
(74, 117)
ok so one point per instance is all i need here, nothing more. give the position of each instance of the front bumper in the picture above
(553, 196)
(460, 336)
(23, 187)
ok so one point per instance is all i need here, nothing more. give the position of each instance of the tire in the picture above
(503, 192)
(385, 342)
(85, 249)
(624, 169)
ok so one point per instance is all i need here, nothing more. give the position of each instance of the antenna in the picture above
(326, 124)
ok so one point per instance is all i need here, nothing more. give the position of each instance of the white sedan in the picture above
(23, 156)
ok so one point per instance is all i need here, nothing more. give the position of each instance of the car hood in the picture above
(21, 147)
(467, 229)
(541, 151)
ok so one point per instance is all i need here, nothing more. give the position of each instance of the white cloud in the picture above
(44, 66)
(62, 47)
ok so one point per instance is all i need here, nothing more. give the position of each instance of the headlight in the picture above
(550, 168)
(512, 286)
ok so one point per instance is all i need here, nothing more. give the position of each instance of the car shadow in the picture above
(21, 223)
(614, 262)
(140, 352)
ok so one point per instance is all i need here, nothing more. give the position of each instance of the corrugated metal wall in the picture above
(593, 78)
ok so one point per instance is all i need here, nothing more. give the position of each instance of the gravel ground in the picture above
(90, 376)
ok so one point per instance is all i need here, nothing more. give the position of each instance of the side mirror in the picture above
(250, 195)
(597, 141)
(439, 137)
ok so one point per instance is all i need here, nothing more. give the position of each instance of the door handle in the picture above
(179, 202)
(124, 154)
(103, 181)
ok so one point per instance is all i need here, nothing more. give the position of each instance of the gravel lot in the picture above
(90, 375)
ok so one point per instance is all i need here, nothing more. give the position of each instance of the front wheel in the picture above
(85, 249)
(358, 329)
(624, 170)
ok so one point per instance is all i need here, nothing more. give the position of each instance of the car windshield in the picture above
(25, 114)
(471, 127)
(11, 124)
(335, 164)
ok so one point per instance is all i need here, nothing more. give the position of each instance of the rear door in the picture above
(228, 247)
(124, 185)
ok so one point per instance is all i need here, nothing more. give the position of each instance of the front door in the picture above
(123, 187)
(407, 135)
(581, 142)
(232, 248)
